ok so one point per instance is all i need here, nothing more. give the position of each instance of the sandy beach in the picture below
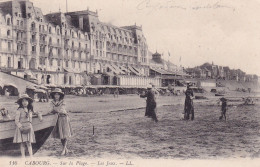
(122, 131)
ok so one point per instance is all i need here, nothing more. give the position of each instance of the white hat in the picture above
(149, 86)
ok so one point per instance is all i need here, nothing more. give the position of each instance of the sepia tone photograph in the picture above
(129, 82)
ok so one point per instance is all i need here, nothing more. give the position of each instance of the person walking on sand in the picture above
(62, 130)
(24, 133)
(223, 108)
(150, 103)
(188, 106)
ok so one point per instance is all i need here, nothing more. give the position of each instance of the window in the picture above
(58, 31)
(79, 35)
(67, 63)
(79, 45)
(59, 62)
(8, 32)
(50, 30)
(51, 62)
(72, 34)
(73, 64)
(21, 23)
(18, 22)
(8, 21)
(33, 26)
(58, 41)
(9, 46)
(34, 49)
(29, 15)
(9, 62)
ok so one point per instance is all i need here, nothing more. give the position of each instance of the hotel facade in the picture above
(72, 48)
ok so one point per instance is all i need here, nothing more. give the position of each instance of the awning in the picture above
(66, 69)
(133, 70)
(112, 69)
(118, 69)
(30, 87)
(161, 71)
(39, 91)
(138, 70)
(125, 69)
(10, 84)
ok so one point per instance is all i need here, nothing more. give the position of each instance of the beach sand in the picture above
(122, 131)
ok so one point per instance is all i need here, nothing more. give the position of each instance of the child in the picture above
(223, 108)
(63, 129)
(24, 133)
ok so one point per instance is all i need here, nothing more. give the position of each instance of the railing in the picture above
(33, 41)
(19, 27)
(43, 31)
(43, 42)
(43, 54)
(33, 53)
(33, 29)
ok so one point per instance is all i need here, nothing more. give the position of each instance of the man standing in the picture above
(188, 106)
(150, 103)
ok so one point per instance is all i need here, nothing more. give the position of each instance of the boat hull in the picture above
(42, 131)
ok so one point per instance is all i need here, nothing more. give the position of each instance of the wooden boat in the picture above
(42, 131)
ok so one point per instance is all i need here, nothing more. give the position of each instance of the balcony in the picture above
(74, 47)
(66, 37)
(86, 50)
(7, 37)
(21, 52)
(43, 42)
(43, 54)
(33, 41)
(33, 53)
(66, 46)
(19, 28)
(43, 31)
(33, 29)
(21, 40)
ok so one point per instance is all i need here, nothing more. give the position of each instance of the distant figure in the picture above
(7, 92)
(150, 103)
(223, 108)
(62, 129)
(188, 106)
(116, 93)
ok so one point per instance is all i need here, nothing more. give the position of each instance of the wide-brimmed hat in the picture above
(59, 91)
(149, 86)
(24, 96)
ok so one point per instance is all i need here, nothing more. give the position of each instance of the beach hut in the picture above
(30, 91)
(11, 89)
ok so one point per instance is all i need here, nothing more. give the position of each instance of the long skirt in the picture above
(62, 130)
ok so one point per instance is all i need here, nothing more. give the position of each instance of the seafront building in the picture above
(73, 48)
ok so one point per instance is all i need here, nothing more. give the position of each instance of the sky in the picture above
(225, 32)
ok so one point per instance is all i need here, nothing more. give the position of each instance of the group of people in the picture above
(24, 133)
(151, 104)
